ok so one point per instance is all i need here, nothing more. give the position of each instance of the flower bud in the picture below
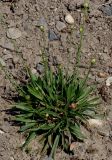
(86, 5)
(42, 28)
(27, 97)
(81, 29)
(47, 115)
(93, 61)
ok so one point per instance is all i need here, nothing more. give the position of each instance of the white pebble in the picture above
(11, 158)
(34, 71)
(69, 19)
(109, 81)
(1, 132)
(95, 122)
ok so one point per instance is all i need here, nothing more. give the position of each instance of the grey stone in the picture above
(40, 68)
(14, 33)
(52, 36)
(42, 22)
(6, 45)
(109, 81)
(107, 9)
(9, 45)
(60, 26)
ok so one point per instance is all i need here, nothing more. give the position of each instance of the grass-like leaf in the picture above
(54, 107)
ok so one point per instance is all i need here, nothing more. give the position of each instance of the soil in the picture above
(26, 16)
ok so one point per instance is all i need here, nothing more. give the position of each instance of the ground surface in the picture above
(25, 37)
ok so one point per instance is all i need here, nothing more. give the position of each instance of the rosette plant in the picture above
(54, 106)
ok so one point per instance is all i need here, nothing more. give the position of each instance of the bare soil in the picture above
(27, 16)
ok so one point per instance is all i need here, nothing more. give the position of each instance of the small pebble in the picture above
(34, 71)
(11, 158)
(107, 9)
(9, 46)
(14, 33)
(69, 19)
(1, 132)
(6, 45)
(95, 122)
(102, 75)
(52, 36)
(109, 81)
(40, 68)
(60, 26)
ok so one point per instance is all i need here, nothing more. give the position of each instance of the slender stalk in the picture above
(43, 51)
(86, 77)
(78, 53)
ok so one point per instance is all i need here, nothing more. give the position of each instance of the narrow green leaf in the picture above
(26, 115)
(85, 93)
(75, 130)
(55, 145)
(27, 126)
(54, 114)
(31, 75)
(44, 127)
(32, 135)
(24, 106)
(35, 92)
(22, 119)
(50, 140)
